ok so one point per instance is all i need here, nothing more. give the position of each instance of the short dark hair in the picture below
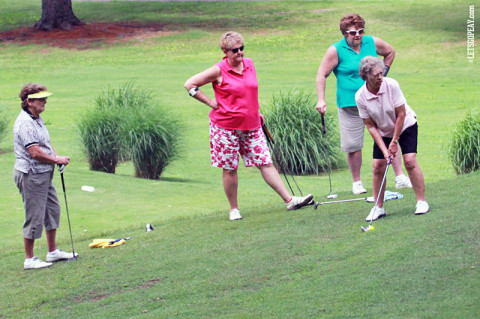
(30, 88)
(349, 20)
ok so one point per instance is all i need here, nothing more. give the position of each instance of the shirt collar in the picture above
(344, 43)
(30, 114)
(370, 96)
(230, 69)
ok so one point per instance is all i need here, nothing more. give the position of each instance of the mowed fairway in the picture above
(273, 263)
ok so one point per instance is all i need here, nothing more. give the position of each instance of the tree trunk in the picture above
(57, 14)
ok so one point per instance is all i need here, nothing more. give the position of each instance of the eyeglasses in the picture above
(236, 49)
(42, 99)
(355, 32)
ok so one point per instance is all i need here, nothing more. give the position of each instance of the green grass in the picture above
(273, 263)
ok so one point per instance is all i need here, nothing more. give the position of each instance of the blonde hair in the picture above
(229, 39)
(367, 64)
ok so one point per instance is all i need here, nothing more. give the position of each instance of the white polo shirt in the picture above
(380, 107)
(29, 131)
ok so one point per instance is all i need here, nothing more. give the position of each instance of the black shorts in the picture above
(407, 141)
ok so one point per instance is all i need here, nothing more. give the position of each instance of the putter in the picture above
(339, 201)
(330, 195)
(61, 168)
(271, 142)
(370, 227)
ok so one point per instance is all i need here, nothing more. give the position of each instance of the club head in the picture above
(332, 196)
(369, 228)
(315, 206)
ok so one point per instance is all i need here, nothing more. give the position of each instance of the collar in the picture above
(344, 43)
(230, 69)
(30, 113)
(370, 96)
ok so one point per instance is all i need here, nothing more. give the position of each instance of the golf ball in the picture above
(371, 227)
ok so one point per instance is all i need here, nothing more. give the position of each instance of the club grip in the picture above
(323, 124)
(267, 133)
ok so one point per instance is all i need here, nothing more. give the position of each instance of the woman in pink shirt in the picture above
(392, 122)
(235, 122)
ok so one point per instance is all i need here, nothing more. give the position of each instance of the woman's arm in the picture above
(372, 129)
(43, 157)
(400, 114)
(329, 62)
(193, 84)
(386, 50)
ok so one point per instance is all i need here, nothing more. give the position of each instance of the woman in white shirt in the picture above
(391, 122)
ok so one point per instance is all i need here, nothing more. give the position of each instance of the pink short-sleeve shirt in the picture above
(237, 98)
(380, 107)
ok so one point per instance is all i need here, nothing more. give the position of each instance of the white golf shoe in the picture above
(58, 255)
(402, 181)
(375, 214)
(235, 214)
(422, 207)
(298, 202)
(35, 263)
(357, 188)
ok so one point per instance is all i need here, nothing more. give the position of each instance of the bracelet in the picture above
(193, 91)
(395, 141)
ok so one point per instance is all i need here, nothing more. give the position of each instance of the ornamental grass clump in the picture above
(3, 124)
(100, 133)
(300, 146)
(464, 144)
(152, 142)
(126, 124)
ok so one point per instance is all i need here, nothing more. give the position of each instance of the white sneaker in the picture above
(35, 263)
(235, 214)
(375, 213)
(402, 181)
(422, 207)
(357, 188)
(298, 202)
(58, 254)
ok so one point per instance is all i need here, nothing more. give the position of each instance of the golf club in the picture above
(339, 201)
(61, 168)
(270, 142)
(330, 195)
(370, 227)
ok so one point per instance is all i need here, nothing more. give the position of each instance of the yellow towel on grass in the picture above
(105, 243)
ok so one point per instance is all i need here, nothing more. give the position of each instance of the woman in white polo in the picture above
(391, 122)
(33, 173)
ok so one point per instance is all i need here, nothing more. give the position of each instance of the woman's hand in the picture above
(213, 104)
(393, 149)
(321, 107)
(62, 160)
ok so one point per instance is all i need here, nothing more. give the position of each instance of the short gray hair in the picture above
(367, 64)
(229, 39)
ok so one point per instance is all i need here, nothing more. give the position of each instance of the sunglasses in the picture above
(354, 32)
(237, 49)
(43, 99)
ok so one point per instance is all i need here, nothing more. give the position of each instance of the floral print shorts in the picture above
(225, 145)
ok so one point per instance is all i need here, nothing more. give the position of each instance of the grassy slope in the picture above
(297, 265)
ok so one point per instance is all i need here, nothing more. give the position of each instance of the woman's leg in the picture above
(230, 186)
(355, 163)
(379, 167)
(271, 176)
(415, 174)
